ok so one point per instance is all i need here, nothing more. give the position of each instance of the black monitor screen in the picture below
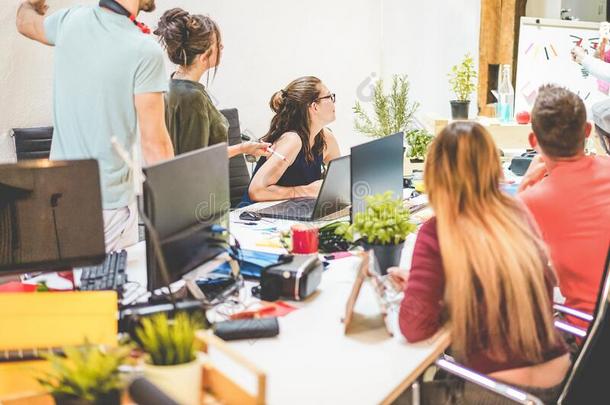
(50, 215)
(377, 167)
(183, 197)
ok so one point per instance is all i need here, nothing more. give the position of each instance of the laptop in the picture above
(334, 197)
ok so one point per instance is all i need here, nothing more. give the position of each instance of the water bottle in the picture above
(506, 96)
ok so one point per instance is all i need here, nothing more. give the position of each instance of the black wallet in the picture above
(247, 329)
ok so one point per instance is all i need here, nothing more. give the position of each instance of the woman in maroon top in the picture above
(480, 264)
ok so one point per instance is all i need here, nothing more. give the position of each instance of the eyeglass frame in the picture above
(331, 96)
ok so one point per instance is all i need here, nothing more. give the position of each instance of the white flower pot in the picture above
(181, 382)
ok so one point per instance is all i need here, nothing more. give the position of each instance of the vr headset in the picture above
(293, 277)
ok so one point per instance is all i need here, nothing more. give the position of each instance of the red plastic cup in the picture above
(304, 239)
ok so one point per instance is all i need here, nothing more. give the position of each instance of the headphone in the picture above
(112, 5)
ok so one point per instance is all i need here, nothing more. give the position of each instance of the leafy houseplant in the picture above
(170, 345)
(382, 227)
(87, 375)
(418, 141)
(393, 112)
(462, 80)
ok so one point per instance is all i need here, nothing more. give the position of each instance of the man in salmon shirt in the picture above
(568, 194)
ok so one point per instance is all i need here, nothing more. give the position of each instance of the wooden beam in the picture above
(497, 43)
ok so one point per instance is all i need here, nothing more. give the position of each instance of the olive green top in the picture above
(192, 120)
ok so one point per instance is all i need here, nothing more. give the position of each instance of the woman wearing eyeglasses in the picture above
(193, 42)
(302, 143)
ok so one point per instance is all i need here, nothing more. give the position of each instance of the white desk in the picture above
(312, 361)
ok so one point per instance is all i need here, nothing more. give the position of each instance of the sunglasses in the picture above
(331, 96)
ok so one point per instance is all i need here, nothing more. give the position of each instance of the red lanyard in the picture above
(143, 27)
(112, 5)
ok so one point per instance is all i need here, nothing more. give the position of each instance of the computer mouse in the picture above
(250, 216)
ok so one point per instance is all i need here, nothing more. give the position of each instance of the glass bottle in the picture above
(506, 95)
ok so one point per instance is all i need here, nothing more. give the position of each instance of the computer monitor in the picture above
(183, 198)
(50, 216)
(377, 167)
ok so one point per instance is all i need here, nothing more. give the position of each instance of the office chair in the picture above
(32, 143)
(239, 176)
(586, 380)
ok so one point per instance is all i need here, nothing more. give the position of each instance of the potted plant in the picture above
(418, 141)
(86, 375)
(462, 79)
(392, 112)
(382, 227)
(172, 357)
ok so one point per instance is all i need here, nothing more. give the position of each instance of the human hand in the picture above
(399, 277)
(39, 6)
(255, 148)
(578, 54)
(535, 172)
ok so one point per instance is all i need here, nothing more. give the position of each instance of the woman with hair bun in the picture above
(297, 132)
(193, 42)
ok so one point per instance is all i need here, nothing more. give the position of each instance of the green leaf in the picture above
(463, 78)
(87, 372)
(392, 112)
(385, 220)
(169, 342)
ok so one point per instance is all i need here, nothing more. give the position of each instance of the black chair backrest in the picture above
(239, 176)
(587, 381)
(33, 143)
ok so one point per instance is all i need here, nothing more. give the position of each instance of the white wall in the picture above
(270, 42)
(25, 79)
(583, 10)
(424, 39)
(543, 8)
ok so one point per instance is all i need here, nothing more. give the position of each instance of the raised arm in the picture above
(156, 143)
(263, 186)
(30, 20)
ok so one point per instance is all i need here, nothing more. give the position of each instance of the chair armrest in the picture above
(574, 312)
(499, 388)
(573, 330)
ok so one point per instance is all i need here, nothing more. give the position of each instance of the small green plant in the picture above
(418, 141)
(385, 221)
(87, 372)
(392, 112)
(462, 78)
(169, 342)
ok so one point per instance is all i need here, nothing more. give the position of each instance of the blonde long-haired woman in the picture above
(480, 264)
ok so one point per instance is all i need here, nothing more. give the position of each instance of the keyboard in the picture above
(109, 275)
(298, 209)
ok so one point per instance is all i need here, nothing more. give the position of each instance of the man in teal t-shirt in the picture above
(109, 77)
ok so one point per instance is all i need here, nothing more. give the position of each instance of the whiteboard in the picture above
(544, 57)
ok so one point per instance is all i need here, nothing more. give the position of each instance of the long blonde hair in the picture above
(493, 257)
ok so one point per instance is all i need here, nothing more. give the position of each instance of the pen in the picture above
(272, 151)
